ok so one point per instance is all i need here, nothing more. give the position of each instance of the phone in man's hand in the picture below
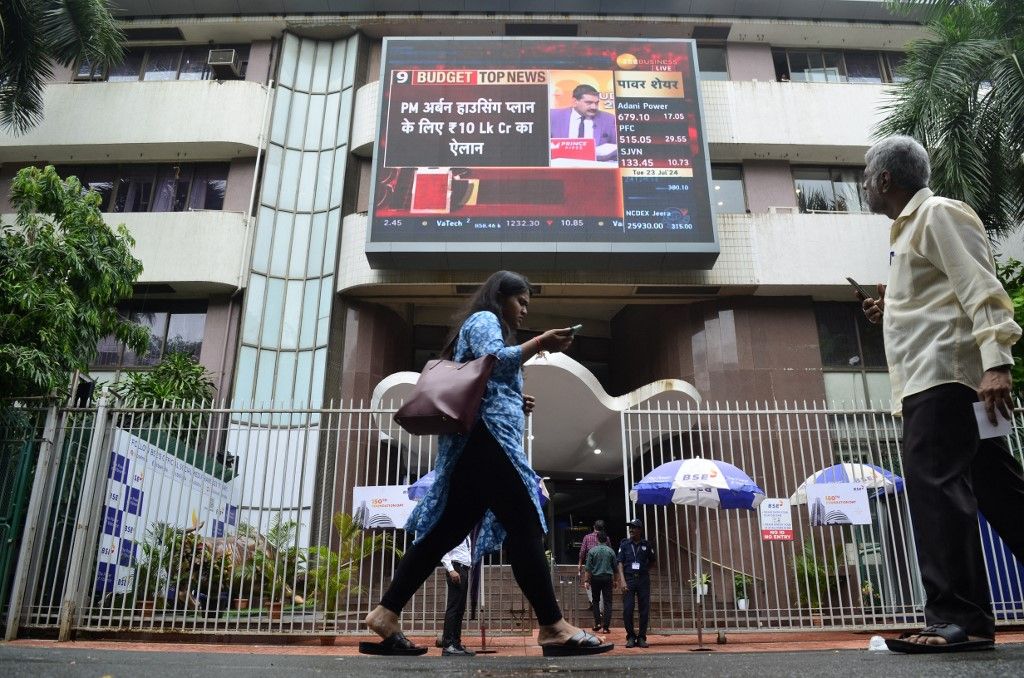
(575, 329)
(860, 288)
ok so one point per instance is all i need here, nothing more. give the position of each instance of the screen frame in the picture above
(527, 255)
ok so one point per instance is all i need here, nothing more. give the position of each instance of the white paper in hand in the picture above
(985, 427)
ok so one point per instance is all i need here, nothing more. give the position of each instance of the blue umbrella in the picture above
(419, 489)
(698, 482)
(873, 477)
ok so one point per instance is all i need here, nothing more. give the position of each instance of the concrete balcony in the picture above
(783, 253)
(794, 121)
(200, 252)
(143, 121)
(811, 254)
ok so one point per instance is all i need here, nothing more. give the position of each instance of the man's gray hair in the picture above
(904, 158)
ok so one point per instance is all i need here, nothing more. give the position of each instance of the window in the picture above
(160, 63)
(852, 354)
(154, 188)
(829, 189)
(727, 189)
(174, 327)
(711, 62)
(813, 65)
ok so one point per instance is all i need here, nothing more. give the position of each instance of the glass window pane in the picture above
(99, 178)
(108, 352)
(835, 71)
(895, 61)
(871, 343)
(844, 388)
(254, 309)
(837, 336)
(727, 189)
(129, 68)
(846, 184)
(208, 185)
(806, 66)
(781, 65)
(813, 189)
(185, 333)
(162, 64)
(292, 310)
(879, 389)
(863, 67)
(193, 64)
(135, 189)
(315, 256)
(157, 324)
(712, 62)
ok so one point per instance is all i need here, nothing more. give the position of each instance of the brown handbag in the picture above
(446, 397)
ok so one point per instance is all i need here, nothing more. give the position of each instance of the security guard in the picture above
(636, 557)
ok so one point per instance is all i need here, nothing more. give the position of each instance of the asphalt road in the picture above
(1007, 660)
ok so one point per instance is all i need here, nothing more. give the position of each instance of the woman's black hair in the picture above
(602, 537)
(489, 297)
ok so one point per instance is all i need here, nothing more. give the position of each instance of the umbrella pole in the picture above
(700, 591)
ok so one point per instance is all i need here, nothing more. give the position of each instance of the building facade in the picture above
(246, 179)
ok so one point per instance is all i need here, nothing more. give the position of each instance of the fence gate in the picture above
(840, 576)
(239, 521)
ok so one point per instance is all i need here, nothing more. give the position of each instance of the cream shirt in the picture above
(947, 319)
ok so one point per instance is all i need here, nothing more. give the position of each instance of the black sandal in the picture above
(956, 638)
(394, 645)
(580, 644)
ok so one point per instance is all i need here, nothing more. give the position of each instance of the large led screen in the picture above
(547, 152)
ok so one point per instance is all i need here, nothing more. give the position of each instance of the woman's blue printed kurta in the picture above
(502, 413)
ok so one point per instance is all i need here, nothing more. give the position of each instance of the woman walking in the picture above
(484, 477)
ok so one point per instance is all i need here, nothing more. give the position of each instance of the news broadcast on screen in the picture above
(526, 140)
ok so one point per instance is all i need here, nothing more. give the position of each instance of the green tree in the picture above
(62, 272)
(964, 100)
(35, 35)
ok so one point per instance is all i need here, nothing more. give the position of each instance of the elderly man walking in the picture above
(948, 328)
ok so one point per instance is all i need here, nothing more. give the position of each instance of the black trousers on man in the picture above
(638, 589)
(601, 588)
(950, 476)
(456, 608)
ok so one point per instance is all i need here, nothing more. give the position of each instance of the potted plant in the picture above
(811, 575)
(701, 583)
(741, 583)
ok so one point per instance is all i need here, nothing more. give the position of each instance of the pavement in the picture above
(743, 654)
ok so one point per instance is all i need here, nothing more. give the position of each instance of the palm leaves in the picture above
(964, 100)
(36, 34)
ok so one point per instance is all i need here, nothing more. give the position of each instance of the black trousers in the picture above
(638, 588)
(483, 478)
(601, 588)
(456, 608)
(951, 474)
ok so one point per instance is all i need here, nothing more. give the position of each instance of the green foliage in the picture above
(178, 378)
(703, 580)
(1011, 275)
(811, 573)
(35, 34)
(62, 272)
(964, 100)
(330, 573)
(742, 584)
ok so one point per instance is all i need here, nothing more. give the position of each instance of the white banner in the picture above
(838, 504)
(776, 520)
(377, 506)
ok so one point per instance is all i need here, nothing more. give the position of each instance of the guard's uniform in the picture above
(636, 559)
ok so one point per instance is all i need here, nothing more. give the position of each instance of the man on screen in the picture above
(583, 120)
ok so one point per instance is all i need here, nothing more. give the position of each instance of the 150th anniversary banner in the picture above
(523, 141)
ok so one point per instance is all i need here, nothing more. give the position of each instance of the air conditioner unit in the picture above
(224, 63)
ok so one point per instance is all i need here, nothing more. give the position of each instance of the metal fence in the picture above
(840, 576)
(238, 521)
